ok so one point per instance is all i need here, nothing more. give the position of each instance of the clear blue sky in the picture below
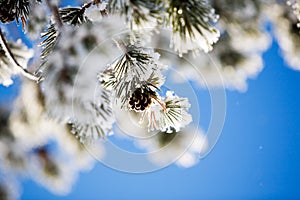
(257, 156)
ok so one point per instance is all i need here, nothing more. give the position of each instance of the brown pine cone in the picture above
(141, 98)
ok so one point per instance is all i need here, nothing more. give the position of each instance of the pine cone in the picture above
(5, 15)
(141, 98)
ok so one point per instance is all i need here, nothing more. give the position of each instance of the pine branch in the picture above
(13, 10)
(172, 116)
(189, 16)
(10, 56)
(76, 15)
(174, 111)
(135, 68)
(73, 16)
(192, 25)
(101, 122)
(50, 38)
(80, 131)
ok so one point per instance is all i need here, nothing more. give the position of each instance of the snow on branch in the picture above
(13, 59)
(192, 25)
(133, 80)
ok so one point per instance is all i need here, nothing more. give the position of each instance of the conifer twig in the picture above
(12, 59)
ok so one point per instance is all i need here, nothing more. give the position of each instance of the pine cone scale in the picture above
(141, 99)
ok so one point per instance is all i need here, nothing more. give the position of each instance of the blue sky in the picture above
(257, 155)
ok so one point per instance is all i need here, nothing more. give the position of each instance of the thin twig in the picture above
(55, 12)
(142, 117)
(160, 103)
(121, 45)
(12, 59)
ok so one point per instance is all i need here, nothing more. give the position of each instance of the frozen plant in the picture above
(85, 67)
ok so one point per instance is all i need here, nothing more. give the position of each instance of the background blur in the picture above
(256, 157)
